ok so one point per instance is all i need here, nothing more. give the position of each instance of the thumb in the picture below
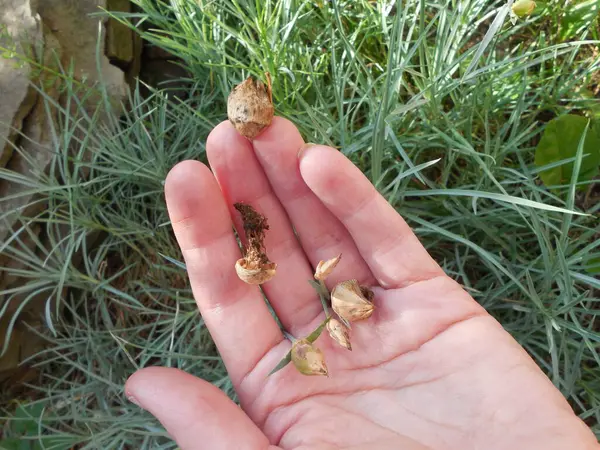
(195, 413)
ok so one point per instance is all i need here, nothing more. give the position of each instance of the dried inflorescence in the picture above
(349, 300)
(250, 106)
(250, 110)
(254, 267)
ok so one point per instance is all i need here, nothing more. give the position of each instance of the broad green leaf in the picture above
(14, 444)
(593, 266)
(26, 418)
(23, 430)
(560, 141)
(578, 16)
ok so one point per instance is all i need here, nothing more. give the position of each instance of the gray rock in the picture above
(69, 38)
(20, 26)
(71, 23)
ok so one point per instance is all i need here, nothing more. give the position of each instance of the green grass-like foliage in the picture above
(393, 86)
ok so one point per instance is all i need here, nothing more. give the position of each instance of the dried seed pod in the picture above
(255, 275)
(523, 8)
(254, 267)
(250, 106)
(339, 333)
(324, 268)
(308, 359)
(367, 293)
(349, 302)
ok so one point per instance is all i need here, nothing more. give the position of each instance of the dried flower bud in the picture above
(258, 274)
(250, 107)
(324, 268)
(349, 302)
(308, 359)
(523, 8)
(339, 333)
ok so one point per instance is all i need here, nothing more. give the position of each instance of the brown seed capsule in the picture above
(367, 293)
(324, 268)
(349, 302)
(308, 359)
(339, 333)
(250, 106)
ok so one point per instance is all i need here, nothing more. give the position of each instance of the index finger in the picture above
(234, 312)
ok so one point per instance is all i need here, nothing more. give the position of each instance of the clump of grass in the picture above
(128, 304)
(439, 103)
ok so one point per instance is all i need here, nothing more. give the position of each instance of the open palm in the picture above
(429, 370)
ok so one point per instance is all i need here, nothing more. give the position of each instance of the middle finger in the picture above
(241, 179)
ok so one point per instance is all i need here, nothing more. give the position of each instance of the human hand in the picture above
(429, 370)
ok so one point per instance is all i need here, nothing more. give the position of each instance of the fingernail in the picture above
(304, 147)
(133, 400)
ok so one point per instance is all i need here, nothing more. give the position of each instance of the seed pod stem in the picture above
(323, 294)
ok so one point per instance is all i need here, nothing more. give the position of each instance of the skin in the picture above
(429, 370)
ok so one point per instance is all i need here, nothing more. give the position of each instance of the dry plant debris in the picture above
(350, 302)
(250, 110)
(254, 267)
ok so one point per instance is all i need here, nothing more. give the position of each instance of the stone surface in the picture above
(69, 38)
(34, 153)
(19, 27)
(23, 345)
(77, 32)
